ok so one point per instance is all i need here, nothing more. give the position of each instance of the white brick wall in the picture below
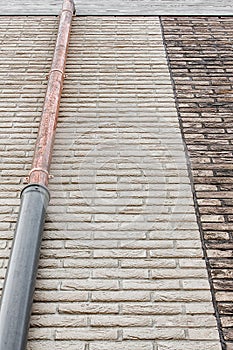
(120, 7)
(121, 261)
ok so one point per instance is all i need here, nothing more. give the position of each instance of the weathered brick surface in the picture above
(119, 7)
(121, 261)
(26, 54)
(200, 56)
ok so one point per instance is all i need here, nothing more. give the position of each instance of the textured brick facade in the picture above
(121, 261)
(119, 7)
(201, 59)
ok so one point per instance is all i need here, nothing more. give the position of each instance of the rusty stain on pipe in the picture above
(44, 145)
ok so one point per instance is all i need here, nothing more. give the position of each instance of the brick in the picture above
(60, 273)
(177, 235)
(119, 273)
(153, 333)
(225, 308)
(199, 308)
(148, 263)
(121, 253)
(91, 263)
(150, 285)
(177, 253)
(90, 284)
(88, 308)
(181, 296)
(178, 273)
(150, 308)
(43, 308)
(85, 334)
(58, 321)
(179, 345)
(121, 321)
(191, 263)
(189, 284)
(125, 345)
(227, 333)
(41, 334)
(56, 296)
(55, 345)
(121, 296)
(189, 321)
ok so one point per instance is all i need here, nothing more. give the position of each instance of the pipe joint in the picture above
(43, 190)
(55, 70)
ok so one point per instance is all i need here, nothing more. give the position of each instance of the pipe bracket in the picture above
(38, 169)
(27, 178)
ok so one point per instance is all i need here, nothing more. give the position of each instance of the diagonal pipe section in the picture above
(19, 284)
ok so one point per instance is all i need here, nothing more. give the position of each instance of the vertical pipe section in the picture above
(19, 284)
(21, 273)
(44, 144)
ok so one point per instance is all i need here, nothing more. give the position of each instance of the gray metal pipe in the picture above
(17, 297)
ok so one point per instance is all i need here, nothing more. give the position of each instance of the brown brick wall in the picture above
(200, 54)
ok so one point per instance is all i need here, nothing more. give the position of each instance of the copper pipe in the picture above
(44, 145)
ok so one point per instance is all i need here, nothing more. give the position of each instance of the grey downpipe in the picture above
(20, 280)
